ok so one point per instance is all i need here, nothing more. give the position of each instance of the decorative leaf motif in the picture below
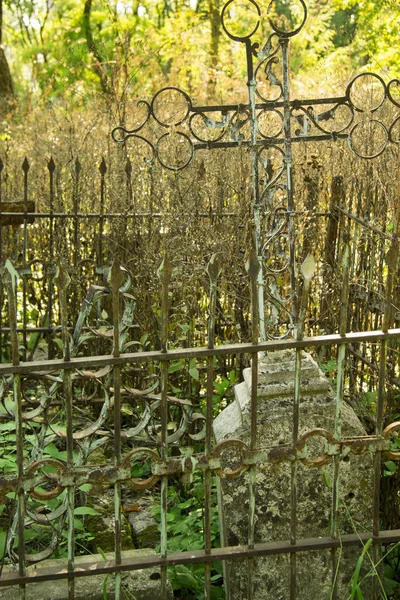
(164, 271)
(95, 374)
(62, 278)
(213, 269)
(11, 274)
(212, 124)
(308, 267)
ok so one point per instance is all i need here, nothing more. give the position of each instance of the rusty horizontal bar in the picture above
(199, 556)
(158, 215)
(268, 105)
(271, 141)
(132, 215)
(200, 352)
(364, 223)
(103, 474)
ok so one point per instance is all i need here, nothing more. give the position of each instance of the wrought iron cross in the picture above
(268, 124)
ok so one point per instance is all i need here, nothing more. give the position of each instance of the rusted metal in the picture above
(13, 213)
(164, 273)
(214, 271)
(81, 362)
(78, 475)
(197, 128)
(188, 130)
(10, 277)
(193, 557)
(254, 270)
(62, 281)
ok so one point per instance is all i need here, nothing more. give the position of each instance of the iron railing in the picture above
(33, 481)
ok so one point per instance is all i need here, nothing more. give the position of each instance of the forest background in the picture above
(97, 56)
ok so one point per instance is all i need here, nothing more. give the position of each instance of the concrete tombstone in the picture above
(275, 392)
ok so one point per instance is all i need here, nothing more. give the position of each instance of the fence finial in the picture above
(51, 165)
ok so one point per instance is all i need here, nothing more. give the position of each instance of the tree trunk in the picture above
(215, 22)
(97, 66)
(6, 86)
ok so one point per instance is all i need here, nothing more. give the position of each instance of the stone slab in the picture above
(273, 483)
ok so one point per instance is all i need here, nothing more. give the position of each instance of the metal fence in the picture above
(80, 254)
(63, 384)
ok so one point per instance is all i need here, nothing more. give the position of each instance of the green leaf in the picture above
(326, 479)
(186, 504)
(356, 593)
(7, 426)
(105, 587)
(175, 366)
(51, 450)
(3, 540)
(194, 373)
(78, 525)
(85, 510)
(391, 466)
(86, 487)
(186, 579)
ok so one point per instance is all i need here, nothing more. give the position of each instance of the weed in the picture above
(185, 522)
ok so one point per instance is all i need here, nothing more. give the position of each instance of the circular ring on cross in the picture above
(366, 92)
(226, 446)
(240, 19)
(387, 434)
(170, 106)
(368, 139)
(289, 22)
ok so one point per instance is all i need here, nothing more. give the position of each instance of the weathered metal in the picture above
(268, 127)
(186, 130)
(194, 557)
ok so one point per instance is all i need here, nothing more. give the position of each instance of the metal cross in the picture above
(268, 124)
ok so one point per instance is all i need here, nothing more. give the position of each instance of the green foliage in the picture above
(356, 593)
(60, 52)
(329, 369)
(391, 570)
(185, 526)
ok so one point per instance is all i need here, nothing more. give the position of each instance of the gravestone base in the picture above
(275, 393)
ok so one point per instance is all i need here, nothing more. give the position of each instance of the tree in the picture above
(6, 86)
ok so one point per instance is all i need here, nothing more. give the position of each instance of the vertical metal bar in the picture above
(252, 84)
(307, 270)
(129, 201)
(339, 405)
(62, 281)
(103, 171)
(129, 191)
(253, 269)
(77, 169)
(289, 171)
(51, 167)
(214, 271)
(392, 262)
(117, 280)
(10, 278)
(1, 262)
(164, 273)
(25, 168)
